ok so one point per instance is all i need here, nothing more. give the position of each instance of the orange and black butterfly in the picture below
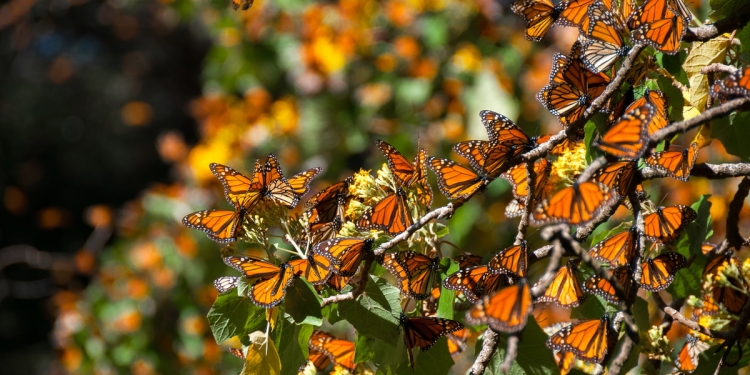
(617, 250)
(225, 283)
(457, 341)
(659, 272)
(475, 282)
(316, 268)
(619, 175)
(569, 97)
(586, 339)
(576, 13)
(562, 148)
(687, 359)
(338, 282)
(415, 272)
(505, 310)
(272, 282)
(340, 352)
(602, 43)
(706, 306)
(735, 84)
(501, 129)
(220, 225)
(329, 203)
(661, 104)
(345, 253)
(676, 164)
(391, 214)
(734, 296)
(454, 180)
(602, 288)
(409, 174)
(518, 176)
(467, 260)
(423, 332)
(538, 16)
(565, 289)
(657, 23)
(512, 260)
(666, 224)
(268, 183)
(575, 205)
(565, 361)
(628, 138)
(244, 4)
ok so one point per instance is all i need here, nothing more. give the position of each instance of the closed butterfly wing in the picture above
(512, 260)
(658, 273)
(505, 310)
(225, 283)
(345, 253)
(586, 339)
(661, 104)
(474, 282)
(466, 260)
(733, 297)
(501, 129)
(401, 168)
(316, 269)
(340, 352)
(423, 332)
(454, 180)
(244, 4)
(274, 186)
(603, 45)
(338, 282)
(617, 250)
(602, 288)
(220, 225)
(391, 214)
(565, 289)
(676, 164)
(235, 184)
(329, 203)
(628, 138)
(575, 205)
(416, 273)
(537, 15)
(619, 175)
(300, 182)
(657, 24)
(487, 158)
(666, 224)
(518, 177)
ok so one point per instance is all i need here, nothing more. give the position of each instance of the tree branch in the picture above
(485, 355)
(710, 31)
(733, 216)
(707, 115)
(358, 290)
(709, 171)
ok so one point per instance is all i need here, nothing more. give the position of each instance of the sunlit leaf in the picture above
(303, 304)
(375, 312)
(701, 55)
(447, 296)
(435, 361)
(262, 357)
(291, 341)
(232, 315)
(732, 134)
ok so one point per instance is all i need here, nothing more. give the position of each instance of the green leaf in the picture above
(436, 361)
(730, 131)
(533, 356)
(676, 101)
(382, 354)
(362, 352)
(373, 313)
(640, 314)
(331, 311)
(590, 132)
(233, 315)
(673, 64)
(303, 304)
(243, 286)
(592, 308)
(447, 296)
(688, 281)
(290, 339)
(727, 8)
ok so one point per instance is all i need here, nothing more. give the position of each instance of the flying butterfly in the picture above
(659, 272)
(423, 332)
(628, 138)
(565, 289)
(512, 260)
(617, 250)
(602, 288)
(391, 214)
(602, 43)
(409, 174)
(656, 23)
(415, 272)
(619, 175)
(687, 359)
(454, 180)
(501, 129)
(666, 224)
(538, 16)
(340, 352)
(475, 282)
(586, 339)
(575, 205)
(505, 310)
(345, 253)
(569, 97)
(676, 164)
(518, 177)
(270, 288)
(225, 283)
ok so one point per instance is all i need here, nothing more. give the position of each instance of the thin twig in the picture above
(717, 68)
(705, 170)
(358, 290)
(523, 224)
(677, 316)
(707, 115)
(485, 355)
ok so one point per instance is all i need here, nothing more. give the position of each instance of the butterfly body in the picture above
(415, 272)
(423, 332)
(272, 280)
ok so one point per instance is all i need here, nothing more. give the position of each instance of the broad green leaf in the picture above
(243, 287)
(447, 296)
(435, 361)
(588, 139)
(262, 357)
(362, 352)
(673, 64)
(592, 308)
(303, 304)
(640, 314)
(688, 281)
(373, 313)
(732, 134)
(290, 339)
(232, 315)
(709, 361)
(382, 354)
(533, 356)
(676, 100)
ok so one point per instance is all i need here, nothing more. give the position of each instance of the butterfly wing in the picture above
(391, 214)
(505, 310)
(501, 129)
(659, 272)
(220, 225)
(512, 260)
(268, 292)
(251, 267)
(300, 182)
(474, 282)
(345, 253)
(537, 15)
(603, 44)
(235, 183)
(329, 203)
(225, 283)
(666, 224)
(340, 352)
(423, 332)
(575, 205)
(619, 176)
(628, 138)
(415, 272)
(316, 268)
(602, 288)
(657, 24)
(454, 180)
(616, 250)
(565, 289)
(401, 168)
(586, 339)
(677, 164)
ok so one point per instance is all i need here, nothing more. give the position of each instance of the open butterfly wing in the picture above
(391, 214)
(658, 273)
(505, 310)
(220, 225)
(666, 224)
(616, 250)
(300, 182)
(586, 339)
(565, 289)
(512, 260)
(316, 269)
(628, 136)
(454, 180)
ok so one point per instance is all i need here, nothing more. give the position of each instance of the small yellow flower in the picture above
(567, 167)
(339, 370)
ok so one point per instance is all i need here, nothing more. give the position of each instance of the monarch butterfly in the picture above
(466, 260)
(575, 205)
(687, 359)
(220, 225)
(512, 260)
(475, 282)
(706, 306)
(237, 352)
(272, 282)
(577, 12)
(714, 263)
(666, 224)
(329, 203)
(616, 250)
(324, 231)
(423, 332)
(658, 24)
(602, 44)
(732, 297)
(345, 253)
(338, 282)
(340, 352)
(565, 361)
(391, 214)
(736, 84)
(245, 4)
(319, 360)
(487, 158)
(619, 175)
(565, 289)
(628, 136)
(316, 268)
(415, 272)
(659, 272)
(562, 148)
(457, 341)
(300, 182)
(676, 164)
(501, 129)
(505, 310)
(586, 339)
(602, 288)
(518, 177)
(537, 15)
(454, 180)
(406, 173)
(268, 182)
(569, 98)
(225, 283)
